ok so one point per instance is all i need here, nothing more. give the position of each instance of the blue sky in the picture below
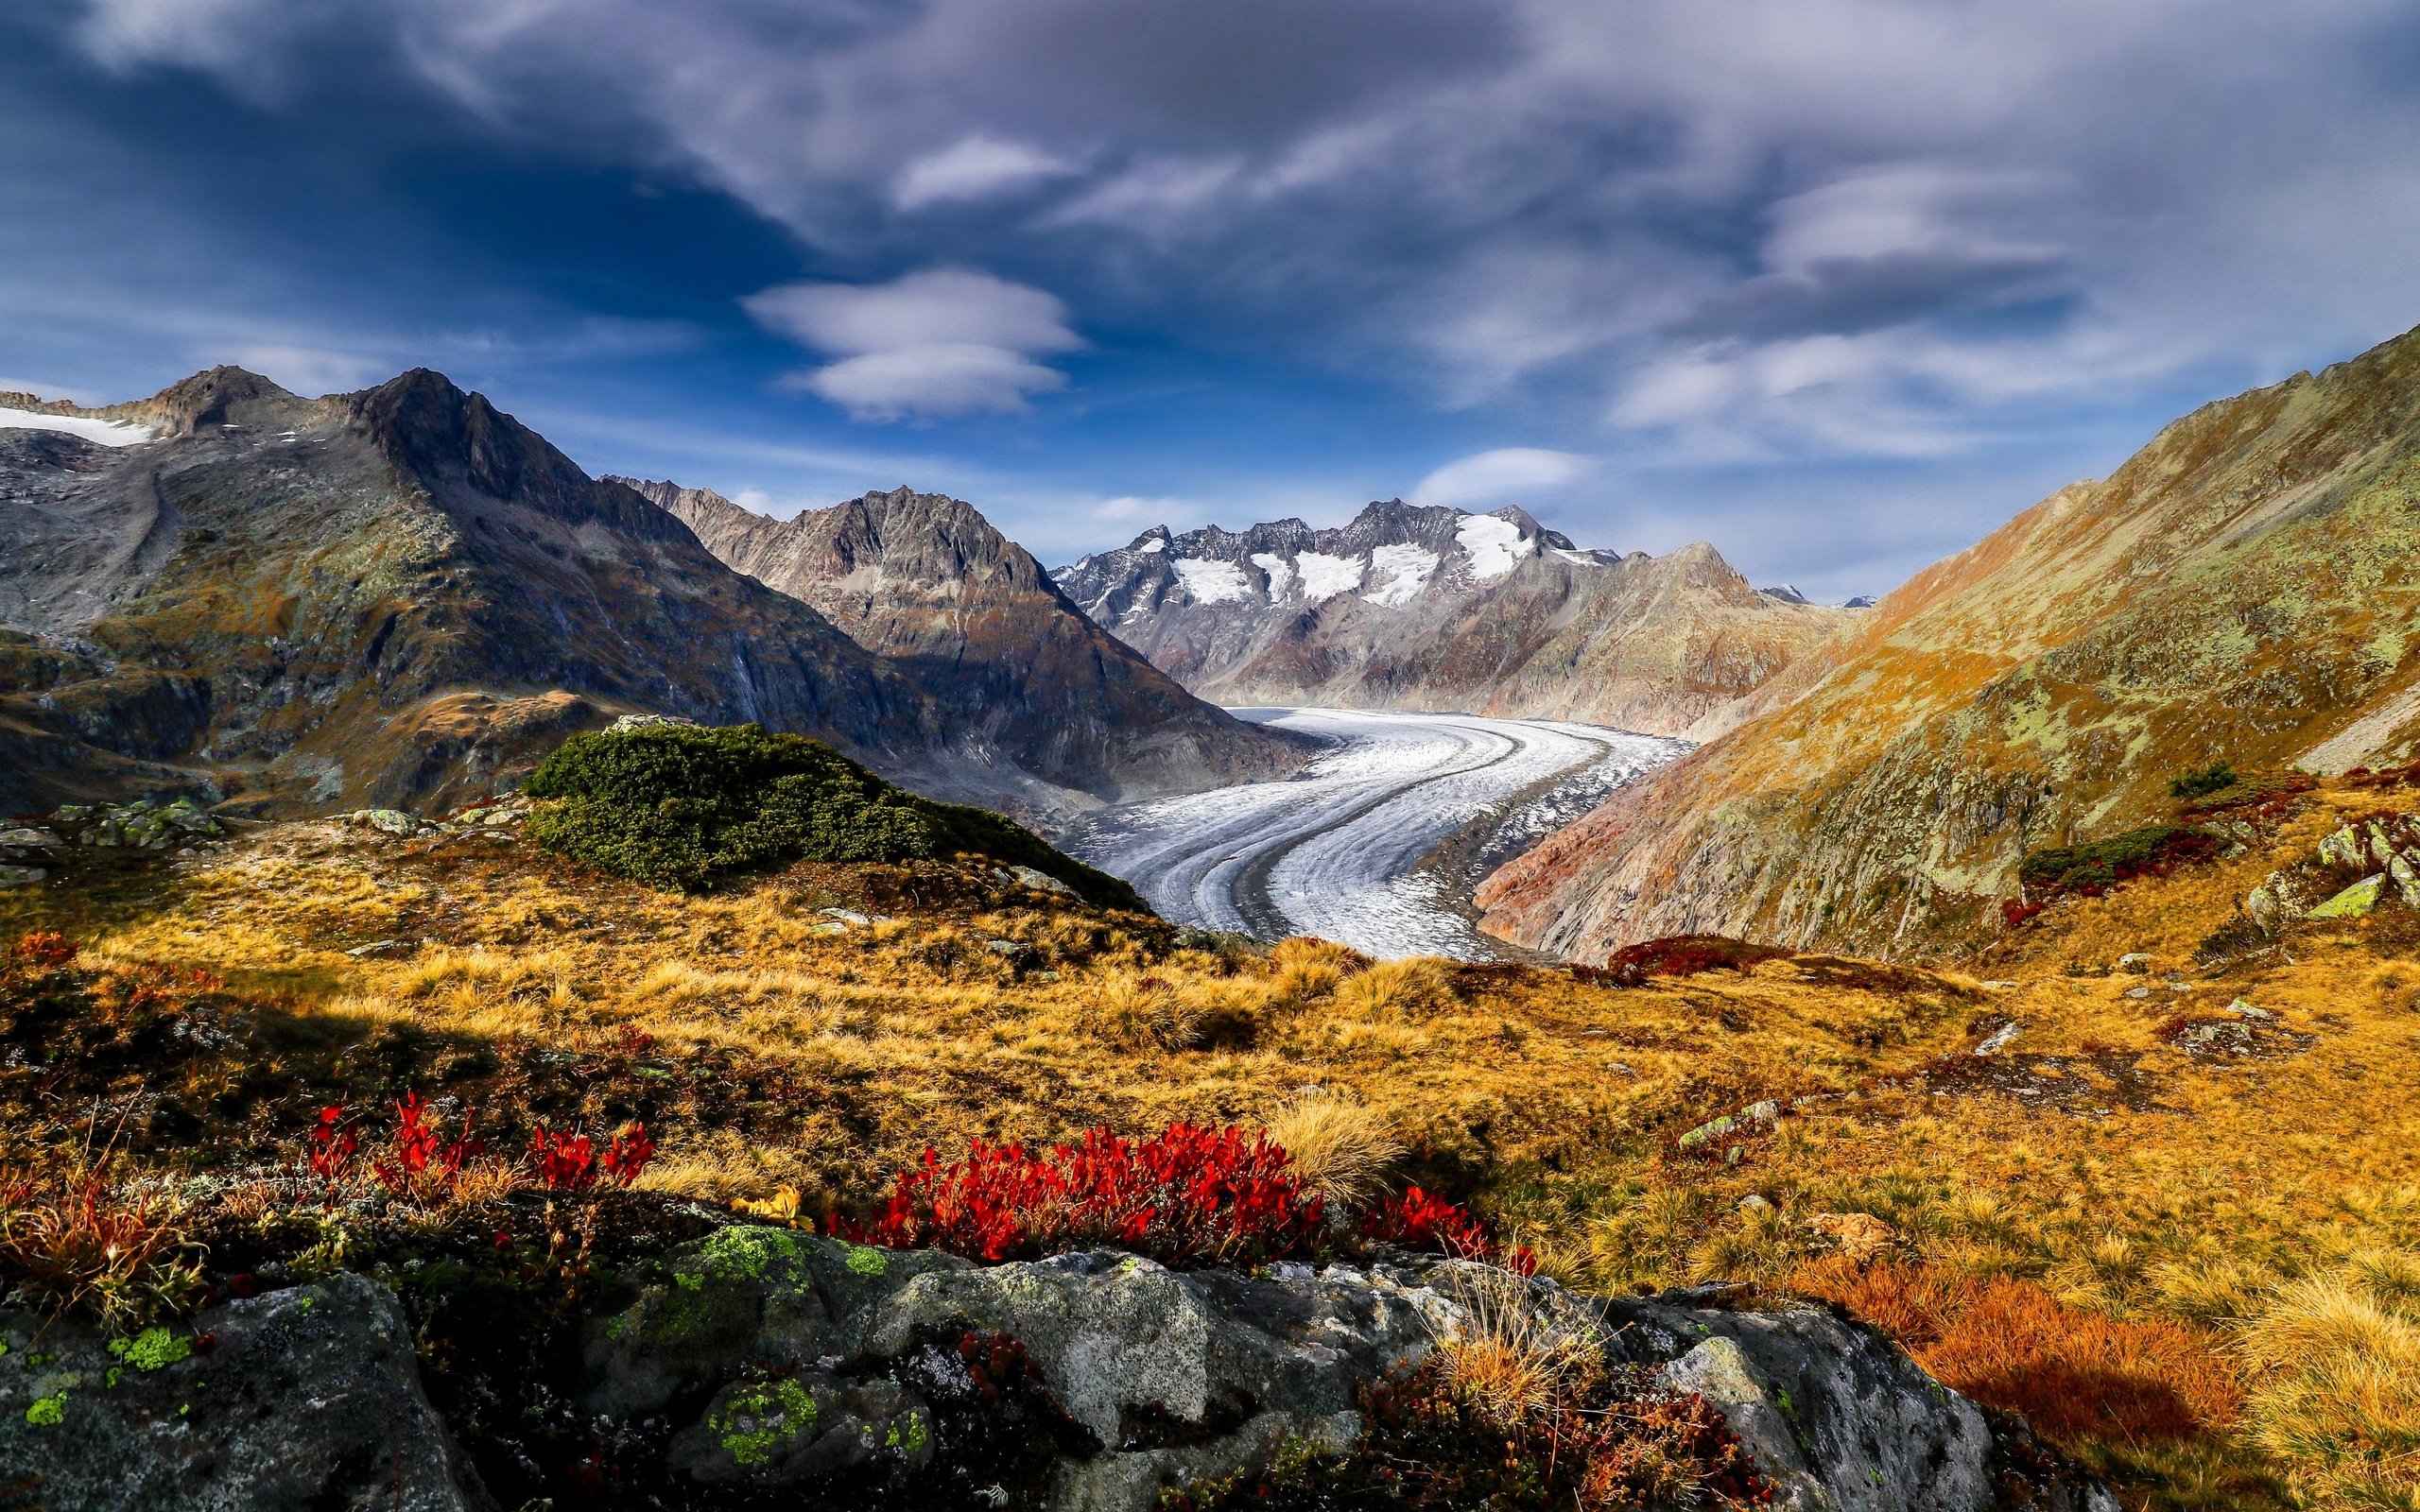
(1837, 285)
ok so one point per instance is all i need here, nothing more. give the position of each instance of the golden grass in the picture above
(1501, 1355)
(2111, 1185)
(1340, 1148)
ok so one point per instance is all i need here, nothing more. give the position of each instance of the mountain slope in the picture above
(384, 597)
(2246, 588)
(1433, 608)
(926, 582)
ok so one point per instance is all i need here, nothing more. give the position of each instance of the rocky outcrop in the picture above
(2241, 590)
(302, 1400)
(800, 1365)
(926, 582)
(398, 596)
(1433, 608)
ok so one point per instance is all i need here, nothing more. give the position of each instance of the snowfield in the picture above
(107, 432)
(1338, 851)
(1495, 546)
(1211, 582)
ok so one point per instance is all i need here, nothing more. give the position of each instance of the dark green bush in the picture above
(2202, 781)
(678, 805)
(2103, 864)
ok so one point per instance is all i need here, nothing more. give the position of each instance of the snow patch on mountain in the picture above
(107, 432)
(1211, 582)
(1280, 571)
(1495, 546)
(1324, 577)
(1401, 573)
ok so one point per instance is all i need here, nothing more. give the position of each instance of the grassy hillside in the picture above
(2246, 588)
(2182, 1237)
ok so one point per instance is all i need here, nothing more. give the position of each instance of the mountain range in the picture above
(2245, 590)
(403, 595)
(1433, 608)
(926, 583)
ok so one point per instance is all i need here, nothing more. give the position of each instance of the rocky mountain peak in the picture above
(222, 398)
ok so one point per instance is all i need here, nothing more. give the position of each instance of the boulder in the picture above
(788, 1362)
(307, 1399)
(2353, 902)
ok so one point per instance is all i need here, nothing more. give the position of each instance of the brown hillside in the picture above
(2244, 588)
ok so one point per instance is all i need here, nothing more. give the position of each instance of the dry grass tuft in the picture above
(1397, 989)
(1502, 1357)
(2337, 1391)
(1338, 1146)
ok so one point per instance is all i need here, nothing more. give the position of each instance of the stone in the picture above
(21, 876)
(309, 1397)
(2406, 878)
(813, 1356)
(390, 821)
(2138, 993)
(2263, 908)
(2245, 1010)
(28, 838)
(2135, 962)
(1041, 881)
(847, 916)
(2353, 902)
(2346, 850)
(1755, 1202)
(1749, 1119)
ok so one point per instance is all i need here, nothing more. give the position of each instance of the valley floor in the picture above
(1376, 844)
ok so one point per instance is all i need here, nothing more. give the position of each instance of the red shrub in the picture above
(1423, 1220)
(2015, 912)
(332, 1148)
(1681, 955)
(422, 1160)
(1187, 1195)
(42, 950)
(569, 1162)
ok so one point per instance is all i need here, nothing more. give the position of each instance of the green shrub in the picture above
(2202, 781)
(2104, 863)
(678, 805)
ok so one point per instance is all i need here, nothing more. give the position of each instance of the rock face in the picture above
(925, 582)
(309, 1401)
(2242, 589)
(1434, 608)
(396, 596)
(793, 1361)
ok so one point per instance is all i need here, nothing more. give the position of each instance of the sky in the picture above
(1836, 285)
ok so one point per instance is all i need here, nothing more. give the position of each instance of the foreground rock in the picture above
(307, 1399)
(805, 1366)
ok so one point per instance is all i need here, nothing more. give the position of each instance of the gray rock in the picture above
(21, 876)
(2242, 1009)
(310, 1400)
(1041, 881)
(1181, 1376)
(2135, 961)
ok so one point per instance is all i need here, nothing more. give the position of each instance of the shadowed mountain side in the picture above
(926, 583)
(2245, 588)
(393, 596)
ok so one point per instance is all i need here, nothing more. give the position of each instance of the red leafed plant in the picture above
(424, 1160)
(332, 1148)
(1186, 1195)
(1423, 1220)
(569, 1162)
(42, 950)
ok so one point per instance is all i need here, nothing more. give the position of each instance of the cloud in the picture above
(974, 167)
(932, 381)
(1506, 475)
(926, 345)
